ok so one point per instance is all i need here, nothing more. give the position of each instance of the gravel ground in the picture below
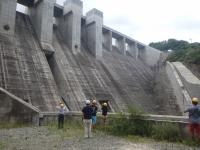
(32, 138)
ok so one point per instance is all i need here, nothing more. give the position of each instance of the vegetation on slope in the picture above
(137, 125)
(183, 51)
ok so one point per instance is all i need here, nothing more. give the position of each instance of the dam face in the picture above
(56, 52)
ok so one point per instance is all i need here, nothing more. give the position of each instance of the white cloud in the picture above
(150, 20)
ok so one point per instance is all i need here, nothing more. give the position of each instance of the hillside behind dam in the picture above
(39, 79)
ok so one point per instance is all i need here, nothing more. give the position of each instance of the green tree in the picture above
(182, 50)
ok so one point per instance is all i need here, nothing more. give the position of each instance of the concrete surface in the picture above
(189, 80)
(133, 49)
(120, 79)
(24, 68)
(121, 45)
(151, 56)
(14, 109)
(182, 95)
(7, 16)
(107, 40)
(72, 71)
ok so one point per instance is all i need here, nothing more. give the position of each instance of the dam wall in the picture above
(57, 52)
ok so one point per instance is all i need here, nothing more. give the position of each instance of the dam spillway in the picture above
(56, 52)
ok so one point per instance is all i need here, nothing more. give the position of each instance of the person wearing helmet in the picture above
(87, 119)
(94, 113)
(194, 118)
(61, 112)
(104, 111)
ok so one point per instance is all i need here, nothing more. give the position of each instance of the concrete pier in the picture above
(141, 52)
(42, 19)
(136, 51)
(7, 16)
(107, 40)
(121, 44)
(133, 49)
(70, 24)
(94, 24)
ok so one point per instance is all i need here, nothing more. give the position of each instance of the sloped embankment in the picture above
(121, 80)
(190, 81)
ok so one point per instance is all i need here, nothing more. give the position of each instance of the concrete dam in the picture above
(54, 51)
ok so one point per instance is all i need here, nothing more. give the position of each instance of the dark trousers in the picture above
(60, 121)
(194, 128)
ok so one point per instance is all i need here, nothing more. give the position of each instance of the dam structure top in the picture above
(72, 30)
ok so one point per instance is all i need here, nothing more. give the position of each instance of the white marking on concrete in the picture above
(186, 73)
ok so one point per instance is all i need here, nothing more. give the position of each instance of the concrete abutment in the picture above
(121, 45)
(132, 49)
(107, 40)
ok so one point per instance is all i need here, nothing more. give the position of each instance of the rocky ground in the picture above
(48, 138)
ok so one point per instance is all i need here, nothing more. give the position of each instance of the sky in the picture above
(150, 20)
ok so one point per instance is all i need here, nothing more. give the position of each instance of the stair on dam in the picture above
(190, 81)
(186, 73)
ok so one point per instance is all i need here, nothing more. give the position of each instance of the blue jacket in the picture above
(87, 112)
(194, 114)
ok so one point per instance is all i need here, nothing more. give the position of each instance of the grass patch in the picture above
(191, 142)
(2, 145)
(71, 128)
(6, 125)
(166, 131)
(135, 126)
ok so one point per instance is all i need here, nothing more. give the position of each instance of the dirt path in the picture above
(44, 139)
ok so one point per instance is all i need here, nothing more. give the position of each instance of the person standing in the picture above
(94, 113)
(87, 119)
(61, 112)
(194, 118)
(104, 112)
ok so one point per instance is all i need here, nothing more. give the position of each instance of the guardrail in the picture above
(161, 118)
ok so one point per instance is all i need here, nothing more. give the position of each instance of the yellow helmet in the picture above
(62, 105)
(195, 100)
(104, 104)
(94, 102)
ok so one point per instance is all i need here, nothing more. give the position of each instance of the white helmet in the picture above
(87, 102)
